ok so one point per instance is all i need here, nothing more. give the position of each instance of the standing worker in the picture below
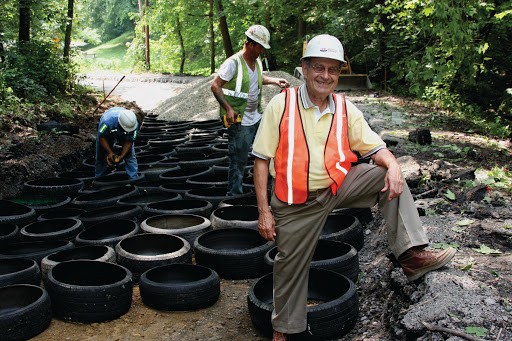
(311, 133)
(237, 87)
(117, 124)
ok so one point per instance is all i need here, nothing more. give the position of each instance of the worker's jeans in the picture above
(130, 162)
(298, 228)
(240, 140)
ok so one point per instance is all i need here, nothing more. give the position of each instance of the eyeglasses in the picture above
(319, 68)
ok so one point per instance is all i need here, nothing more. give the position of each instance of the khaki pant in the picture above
(298, 228)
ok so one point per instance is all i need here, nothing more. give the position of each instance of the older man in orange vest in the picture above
(306, 141)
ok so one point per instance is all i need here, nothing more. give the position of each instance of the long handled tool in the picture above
(99, 105)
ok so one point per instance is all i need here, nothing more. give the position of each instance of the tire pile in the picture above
(73, 246)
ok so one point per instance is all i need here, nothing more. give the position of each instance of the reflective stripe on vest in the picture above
(292, 155)
(239, 78)
(338, 157)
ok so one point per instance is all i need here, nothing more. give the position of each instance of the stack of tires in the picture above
(82, 242)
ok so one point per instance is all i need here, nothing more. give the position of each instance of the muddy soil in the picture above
(384, 296)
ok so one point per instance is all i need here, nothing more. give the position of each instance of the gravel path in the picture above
(172, 97)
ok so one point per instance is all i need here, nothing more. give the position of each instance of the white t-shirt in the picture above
(226, 72)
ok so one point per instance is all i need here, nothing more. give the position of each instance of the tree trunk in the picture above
(69, 26)
(212, 39)
(223, 27)
(182, 45)
(146, 37)
(24, 20)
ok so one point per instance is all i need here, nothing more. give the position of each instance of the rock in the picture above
(421, 136)
(410, 170)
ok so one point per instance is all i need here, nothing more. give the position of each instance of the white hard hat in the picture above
(259, 34)
(325, 46)
(127, 120)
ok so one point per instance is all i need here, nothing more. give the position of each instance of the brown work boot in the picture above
(416, 262)
(278, 336)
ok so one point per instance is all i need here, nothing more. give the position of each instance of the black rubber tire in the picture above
(42, 203)
(52, 229)
(330, 255)
(214, 195)
(58, 127)
(364, 215)
(186, 206)
(89, 291)
(213, 179)
(186, 226)
(148, 160)
(179, 287)
(330, 320)
(181, 175)
(147, 250)
(221, 147)
(101, 253)
(14, 213)
(149, 188)
(55, 186)
(235, 216)
(209, 160)
(99, 215)
(143, 199)
(236, 201)
(103, 197)
(180, 188)
(117, 179)
(64, 212)
(85, 175)
(108, 232)
(19, 271)
(152, 173)
(35, 250)
(235, 253)
(346, 229)
(25, 312)
(9, 233)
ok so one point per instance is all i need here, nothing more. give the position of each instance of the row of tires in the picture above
(235, 253)
(157, 206)
(82, 296)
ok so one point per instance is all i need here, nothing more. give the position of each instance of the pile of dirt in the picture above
(390, 308)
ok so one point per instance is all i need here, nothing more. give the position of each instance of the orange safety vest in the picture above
(292, 155)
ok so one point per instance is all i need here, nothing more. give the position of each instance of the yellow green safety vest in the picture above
(236, 91)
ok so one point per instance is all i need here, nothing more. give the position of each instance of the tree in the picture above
(69, 26)
(212, 37)
(224, 30)
(24, 20)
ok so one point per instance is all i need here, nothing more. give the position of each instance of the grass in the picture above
(110, 55)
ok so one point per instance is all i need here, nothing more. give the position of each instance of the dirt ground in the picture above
(384, 296)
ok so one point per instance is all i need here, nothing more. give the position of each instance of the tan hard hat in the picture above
(259, 34)
(325, 46)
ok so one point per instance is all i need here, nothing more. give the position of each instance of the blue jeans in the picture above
(240, 140)
(130, 161)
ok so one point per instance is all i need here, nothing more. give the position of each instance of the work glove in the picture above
(225, 122)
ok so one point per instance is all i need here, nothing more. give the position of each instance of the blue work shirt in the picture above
(109, 127)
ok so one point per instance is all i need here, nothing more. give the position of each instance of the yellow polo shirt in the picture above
(316, 127)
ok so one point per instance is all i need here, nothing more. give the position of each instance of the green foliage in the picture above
(500, 178)
(110, 18)
(108, 56)
(484, 249)
(478, 331)
(454, 54)
(35, 70)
